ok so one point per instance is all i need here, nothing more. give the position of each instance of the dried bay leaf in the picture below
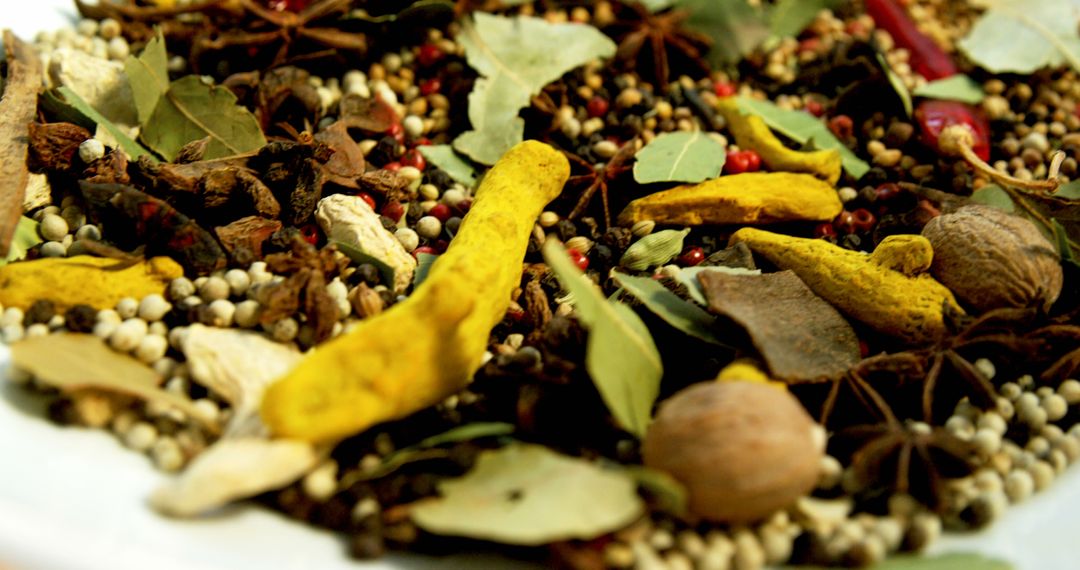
(682, 315)
(803, 128)
(515, 60)
(621, 358)
(65, 105)
(896, 82)
(1022, 36)
(800, 336)
(72, 362)
(529, 495)
(450, 162)
(26, 236)
(788, 18)
(148, 75)
(679, 157)
(950, 561)
(232, 469)
(735, 27)
(687, 276)
(192, 110)
(956, 88)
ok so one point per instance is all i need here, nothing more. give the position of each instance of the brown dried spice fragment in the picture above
(285, 95)
(17, 108)
(800, 336)
(243, 239)
(53, 146)
(370, 114)
(387, 183)
(237, 190)
(109, 169)
(536, 305)
(308, 271)
(347, 163)
(155, 223)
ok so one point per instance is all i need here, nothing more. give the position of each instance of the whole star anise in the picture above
(307, 272)
(598, 177)
(656, 40)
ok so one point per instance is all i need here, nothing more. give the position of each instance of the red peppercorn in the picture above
(809, 45)
(864, 349)
(845, 222)
(842, 126)
(440, 246)
(464, 206)
(368, 199)
(393, 210)
(392, 166)
(814, 107)
(887, 191)
(691, 256)
(736, 163)
(288, 5)
(579, 259)
(429, 54)
(430, 86)
(397, 131)
(753, 160)
(441, 212)
(414, 159)
(723, 89)
(824, 230)
(424, 249)
(422, 141)
(310, 233)
(863, 219)
(597, 106)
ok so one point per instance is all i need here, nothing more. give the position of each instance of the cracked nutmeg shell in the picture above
(991, 259)
(742, 449)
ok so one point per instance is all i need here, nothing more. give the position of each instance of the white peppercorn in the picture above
(127, 307)
(141, 436)
(91, 150)
(238, 281)
(53, 249)
(409, 239)
(1055, 406)
(1042, 473)
(214, 288)
(36, 330)
(247, 314)
(284, 330)
(153, 308)
(12, 316)
(88, 232)
(321, 482)
(222, 312)
(151, 348)
(1070, 390)
(167, 454)
(53, 227)
(429, 227)
(128, 335)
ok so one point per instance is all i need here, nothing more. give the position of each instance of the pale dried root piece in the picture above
(17, 109)
(427, 347)
(877, 289)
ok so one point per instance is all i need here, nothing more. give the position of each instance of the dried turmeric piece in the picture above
(746, 371)
(427, 347)
(84, 280)
(751, 198)
(751, 132)
(869, 288)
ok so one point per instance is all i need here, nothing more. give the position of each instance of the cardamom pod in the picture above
(653, 249)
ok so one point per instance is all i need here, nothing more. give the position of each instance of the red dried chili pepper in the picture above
(933, 63)
(927, 58)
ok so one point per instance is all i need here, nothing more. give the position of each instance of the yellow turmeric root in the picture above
(427, 347)
(885, 290)
(83, 280)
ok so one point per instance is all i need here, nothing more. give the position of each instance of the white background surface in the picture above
(73, 499)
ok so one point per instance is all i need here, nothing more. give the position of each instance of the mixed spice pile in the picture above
(788, 282)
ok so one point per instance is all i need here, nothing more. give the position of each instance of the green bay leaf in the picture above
(1022, 36)
(788, 18)
(424, 261)
(25, 237)
(529, 495)
(66, 105)
(993, 195)
(803, 128)
(621, 357)
(897, 83)
(450, 162)
(679, 157)
(515, 59)
(148, 75)
(956, 88)
(735, 27)
(192, 110)
(673, 310)
(687, 276)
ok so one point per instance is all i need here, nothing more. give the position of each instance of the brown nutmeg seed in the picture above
(743, 450)
(991, 259)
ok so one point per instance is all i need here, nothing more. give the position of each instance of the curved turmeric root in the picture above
(428, 346)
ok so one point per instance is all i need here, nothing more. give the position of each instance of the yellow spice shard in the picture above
(83, 280)
(751, 132)
(427, 347)
(751, 198)
(886, 290)
(746, 371)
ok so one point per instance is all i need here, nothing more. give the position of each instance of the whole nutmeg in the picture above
(743, 450)
(991, 259)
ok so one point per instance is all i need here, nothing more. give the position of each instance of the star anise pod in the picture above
(657, 39)
(307, 272)
(889, 457)
(598, 177)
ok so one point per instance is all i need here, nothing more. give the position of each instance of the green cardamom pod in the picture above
(654, 249)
